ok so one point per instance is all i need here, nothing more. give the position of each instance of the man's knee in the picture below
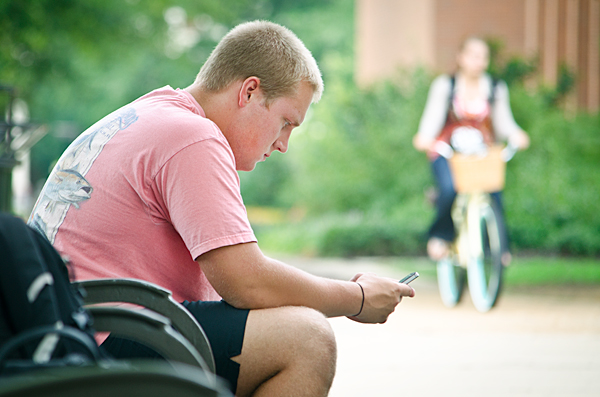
(286, 347)
(312, 331)
(303, 330)
(311, 344)
(294, 334)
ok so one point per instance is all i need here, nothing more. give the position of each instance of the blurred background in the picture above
(352, 194)
(351, 183)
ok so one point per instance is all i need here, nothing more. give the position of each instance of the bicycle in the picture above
(476, 254)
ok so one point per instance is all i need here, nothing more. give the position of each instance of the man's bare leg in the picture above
(287, 351)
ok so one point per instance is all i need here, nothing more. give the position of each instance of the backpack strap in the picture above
(451, 94)
(35, 289)
(42, 359)
(491, 99)
(493, 86)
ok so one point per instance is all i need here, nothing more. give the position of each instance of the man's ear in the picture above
(249, 91)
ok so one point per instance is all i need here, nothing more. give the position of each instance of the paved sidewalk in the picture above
(542, 343)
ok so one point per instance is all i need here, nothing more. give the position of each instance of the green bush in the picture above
(553, 188)
(350, 234)
(369, 239)
(352, 166)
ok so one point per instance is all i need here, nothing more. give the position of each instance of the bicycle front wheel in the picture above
(486, 245)
(451, 280)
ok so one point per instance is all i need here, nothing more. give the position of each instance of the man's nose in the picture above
(282, 143)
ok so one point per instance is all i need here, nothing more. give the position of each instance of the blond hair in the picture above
(471, 39)
(265, 50)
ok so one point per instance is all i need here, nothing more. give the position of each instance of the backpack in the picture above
(491, 98)
(452, 124)
(42, 319)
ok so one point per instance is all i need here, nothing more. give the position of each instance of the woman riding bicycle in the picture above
(468, 111)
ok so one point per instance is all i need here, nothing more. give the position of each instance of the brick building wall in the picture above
(457, 19)
(407, 33)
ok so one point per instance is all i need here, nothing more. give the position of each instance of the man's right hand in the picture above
(382, 295)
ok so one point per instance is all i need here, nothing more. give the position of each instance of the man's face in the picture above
(263, 130)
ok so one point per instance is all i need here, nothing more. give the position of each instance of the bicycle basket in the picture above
(475, 173)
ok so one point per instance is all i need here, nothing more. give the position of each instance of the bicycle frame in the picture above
(476, 203)
(459, 216)
(465, 216)
(477, 250)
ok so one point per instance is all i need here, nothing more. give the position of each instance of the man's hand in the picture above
(382, 295)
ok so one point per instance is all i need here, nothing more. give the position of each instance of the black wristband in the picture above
(362, 304)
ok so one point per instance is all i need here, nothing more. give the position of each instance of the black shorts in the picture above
(224, 326)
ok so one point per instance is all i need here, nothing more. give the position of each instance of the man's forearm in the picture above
(284, 285)
(245, 278)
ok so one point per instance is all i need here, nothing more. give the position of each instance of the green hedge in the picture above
(553, 188)
(353, 168)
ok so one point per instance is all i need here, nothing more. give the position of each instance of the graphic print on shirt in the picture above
(67, 185)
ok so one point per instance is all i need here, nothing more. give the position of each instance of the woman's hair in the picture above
(466, 41)
(266, 50)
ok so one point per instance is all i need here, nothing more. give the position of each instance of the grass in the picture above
(536, 271)
(528, 271)
(301, 238)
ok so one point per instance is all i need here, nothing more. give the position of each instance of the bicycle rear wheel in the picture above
(486, 245)
(451, 280)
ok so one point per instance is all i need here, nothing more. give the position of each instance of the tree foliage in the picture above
(74, 61)
(350, 167)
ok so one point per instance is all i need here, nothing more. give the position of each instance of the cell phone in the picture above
(409, 278)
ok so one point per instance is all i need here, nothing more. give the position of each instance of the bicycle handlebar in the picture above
(509, 152)
(445, 150)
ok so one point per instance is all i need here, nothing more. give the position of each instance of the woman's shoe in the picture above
(506, 259)
(437, 248)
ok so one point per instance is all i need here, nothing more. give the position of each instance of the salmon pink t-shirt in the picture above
(143, 193)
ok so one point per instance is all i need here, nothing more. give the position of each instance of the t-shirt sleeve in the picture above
(200, 190)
